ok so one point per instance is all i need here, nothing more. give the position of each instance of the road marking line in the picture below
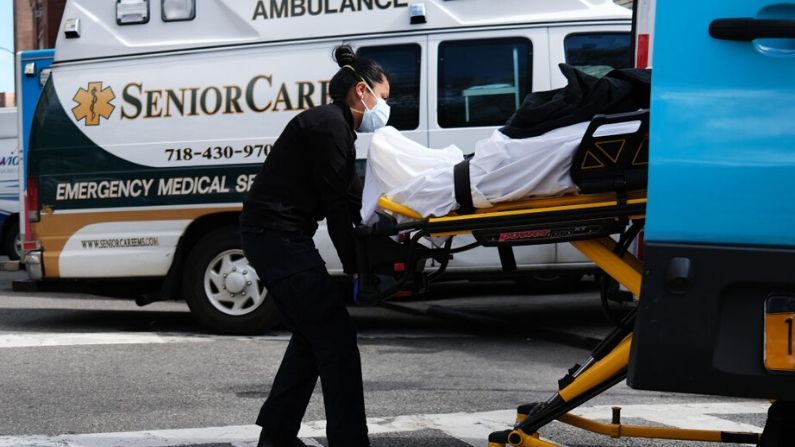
(30, 340)
(369, 335)
(43, 339)
(472, 428)
(238, 436)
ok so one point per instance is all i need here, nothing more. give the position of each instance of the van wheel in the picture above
(12, 244)
(223, 291)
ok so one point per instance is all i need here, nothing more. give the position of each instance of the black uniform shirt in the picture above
(309, 175)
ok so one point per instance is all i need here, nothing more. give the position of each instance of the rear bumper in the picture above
(33, 264)
(701, 320)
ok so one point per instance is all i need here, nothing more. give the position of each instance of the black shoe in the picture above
(267, 441)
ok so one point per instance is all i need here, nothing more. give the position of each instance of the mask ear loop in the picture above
(360, 112)
(361, 79)
(365, 84)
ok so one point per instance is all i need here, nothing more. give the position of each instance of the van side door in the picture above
(477, 80)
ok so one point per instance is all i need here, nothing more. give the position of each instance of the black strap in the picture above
(462, 187)
(622, 198)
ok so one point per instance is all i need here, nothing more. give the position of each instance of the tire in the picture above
(222, 290)
(12, 245)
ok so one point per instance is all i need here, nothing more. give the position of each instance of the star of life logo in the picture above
(93, 103)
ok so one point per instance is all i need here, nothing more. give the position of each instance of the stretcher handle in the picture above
(387, 227)
(747, 29)
(600, 120)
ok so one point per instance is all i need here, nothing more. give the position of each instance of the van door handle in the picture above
(748, 29)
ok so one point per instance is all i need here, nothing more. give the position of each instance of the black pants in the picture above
(323, 343)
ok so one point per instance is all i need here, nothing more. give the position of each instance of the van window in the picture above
(482, 81)
(402, 63)
(598, 53)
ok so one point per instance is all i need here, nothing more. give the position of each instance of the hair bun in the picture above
(344, 55)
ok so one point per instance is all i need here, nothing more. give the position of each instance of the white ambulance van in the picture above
(9, 183)
(158, 114)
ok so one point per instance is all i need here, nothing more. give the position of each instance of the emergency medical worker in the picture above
(310, 175)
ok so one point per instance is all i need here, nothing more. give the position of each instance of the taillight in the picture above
(643, 51)
(30, 246)
(32, 199)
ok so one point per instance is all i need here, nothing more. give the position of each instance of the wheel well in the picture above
(9, 220)
(172, 285)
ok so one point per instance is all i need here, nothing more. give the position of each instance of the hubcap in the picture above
(235, 282)
(231, 284)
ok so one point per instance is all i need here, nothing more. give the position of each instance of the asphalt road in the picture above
(78, 370)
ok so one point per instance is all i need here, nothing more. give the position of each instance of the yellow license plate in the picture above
(779, 341)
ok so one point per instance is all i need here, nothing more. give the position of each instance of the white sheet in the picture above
(501, 170)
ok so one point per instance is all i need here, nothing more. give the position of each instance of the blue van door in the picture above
(34, 68)
(718, 299)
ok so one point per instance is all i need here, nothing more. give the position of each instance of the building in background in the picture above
(36, 25)
(24, 31)
(7, 99)
(46, 21)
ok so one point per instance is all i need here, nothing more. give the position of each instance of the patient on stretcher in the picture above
(530, 157)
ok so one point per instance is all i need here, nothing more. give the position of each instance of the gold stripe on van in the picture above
(60, 227)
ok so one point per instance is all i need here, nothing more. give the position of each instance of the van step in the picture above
(9, 266)
(25, 286)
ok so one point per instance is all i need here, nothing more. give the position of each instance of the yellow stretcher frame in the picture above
(598, 375)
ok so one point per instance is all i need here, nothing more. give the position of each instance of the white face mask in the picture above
(377, 117)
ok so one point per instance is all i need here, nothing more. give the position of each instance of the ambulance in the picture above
(158, 114)
(9, 184)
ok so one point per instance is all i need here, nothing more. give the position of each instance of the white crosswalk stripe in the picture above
(31, 340)
(472, 428)
(46, 339)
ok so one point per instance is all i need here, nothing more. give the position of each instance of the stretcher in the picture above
(611, 173)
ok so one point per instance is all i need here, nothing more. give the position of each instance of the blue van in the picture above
(718, 297)
(33, 71)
